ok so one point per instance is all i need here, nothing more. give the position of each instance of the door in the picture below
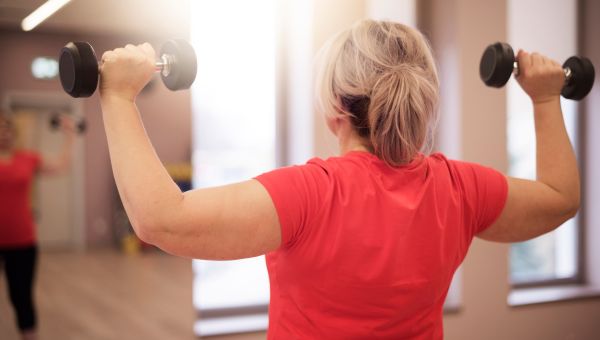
(52, 196)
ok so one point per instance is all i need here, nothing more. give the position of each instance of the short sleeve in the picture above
(484, 191)
(37, 160)
(297, 193)
(33, 158)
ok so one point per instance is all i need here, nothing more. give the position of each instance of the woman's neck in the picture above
(344, 149)
(347, 137)
(352, 142)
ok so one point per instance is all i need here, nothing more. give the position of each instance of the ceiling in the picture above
(105, 17)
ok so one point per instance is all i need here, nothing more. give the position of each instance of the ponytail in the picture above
(382, 75)
(402, 102)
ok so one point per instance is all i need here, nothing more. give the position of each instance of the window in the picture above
(233, 103)
(44, 68)
(552, 257)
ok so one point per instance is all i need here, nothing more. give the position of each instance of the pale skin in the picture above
(239, 220)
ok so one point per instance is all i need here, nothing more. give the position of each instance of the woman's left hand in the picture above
(125, 71)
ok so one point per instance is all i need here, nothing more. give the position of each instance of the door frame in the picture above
(53, 100)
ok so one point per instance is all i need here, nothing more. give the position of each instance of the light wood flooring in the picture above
(103, 295)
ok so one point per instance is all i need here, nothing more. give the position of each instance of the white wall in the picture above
(402, 11)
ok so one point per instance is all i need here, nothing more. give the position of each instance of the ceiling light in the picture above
(42, 13)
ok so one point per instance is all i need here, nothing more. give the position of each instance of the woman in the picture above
(18, 246)
(363, 245)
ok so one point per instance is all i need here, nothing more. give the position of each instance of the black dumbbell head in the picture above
(183, 69)
(496, 65)
(582, 78)
(78, 69)
(81, 126)
(54, 122)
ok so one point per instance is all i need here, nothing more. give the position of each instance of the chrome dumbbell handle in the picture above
(566, 70)
(164, 64)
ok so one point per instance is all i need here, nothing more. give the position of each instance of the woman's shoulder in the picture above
(456, 165)
(434, 161)
(464, 172)
(314, 168)
(452, 164)
(364, 160)
(27, 155)
(439, 157)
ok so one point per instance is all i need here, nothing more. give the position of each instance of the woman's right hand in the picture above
(540, 77)
(125, 71)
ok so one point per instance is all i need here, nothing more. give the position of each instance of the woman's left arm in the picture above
(60, 164)
(228, 222)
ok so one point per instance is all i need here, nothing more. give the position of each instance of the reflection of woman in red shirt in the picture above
(363, 245)
(18, 246)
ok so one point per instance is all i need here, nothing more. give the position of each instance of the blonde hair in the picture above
(382, 75)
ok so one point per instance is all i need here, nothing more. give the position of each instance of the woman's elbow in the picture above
(162, 237)
(145, 229)
(573, 202)
(573, 207)
(569, 209)
(151, 223)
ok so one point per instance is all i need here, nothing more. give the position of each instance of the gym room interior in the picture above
(250, 110)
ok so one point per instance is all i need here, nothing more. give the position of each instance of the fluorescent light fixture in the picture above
(42, 13)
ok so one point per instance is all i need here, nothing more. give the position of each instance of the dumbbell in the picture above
(498, 63)
(78, 67)
(80, 124)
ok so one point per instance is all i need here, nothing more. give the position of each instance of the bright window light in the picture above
(554, 255)
(233, 103)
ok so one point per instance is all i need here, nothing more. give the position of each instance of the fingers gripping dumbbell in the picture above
(78, 67)
(498, 63)
(55, 122)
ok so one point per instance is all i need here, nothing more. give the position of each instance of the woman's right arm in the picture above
(536, 207)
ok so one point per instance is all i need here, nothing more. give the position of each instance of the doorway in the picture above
(57, 201)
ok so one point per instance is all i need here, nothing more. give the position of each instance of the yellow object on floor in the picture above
(131, 245)
(180, 172)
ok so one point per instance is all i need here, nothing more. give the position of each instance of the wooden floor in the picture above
(108, 295)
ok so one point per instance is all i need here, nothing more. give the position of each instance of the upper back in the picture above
(371, 248)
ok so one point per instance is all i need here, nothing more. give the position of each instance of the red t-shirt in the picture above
(16, 218)
(368, 251)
